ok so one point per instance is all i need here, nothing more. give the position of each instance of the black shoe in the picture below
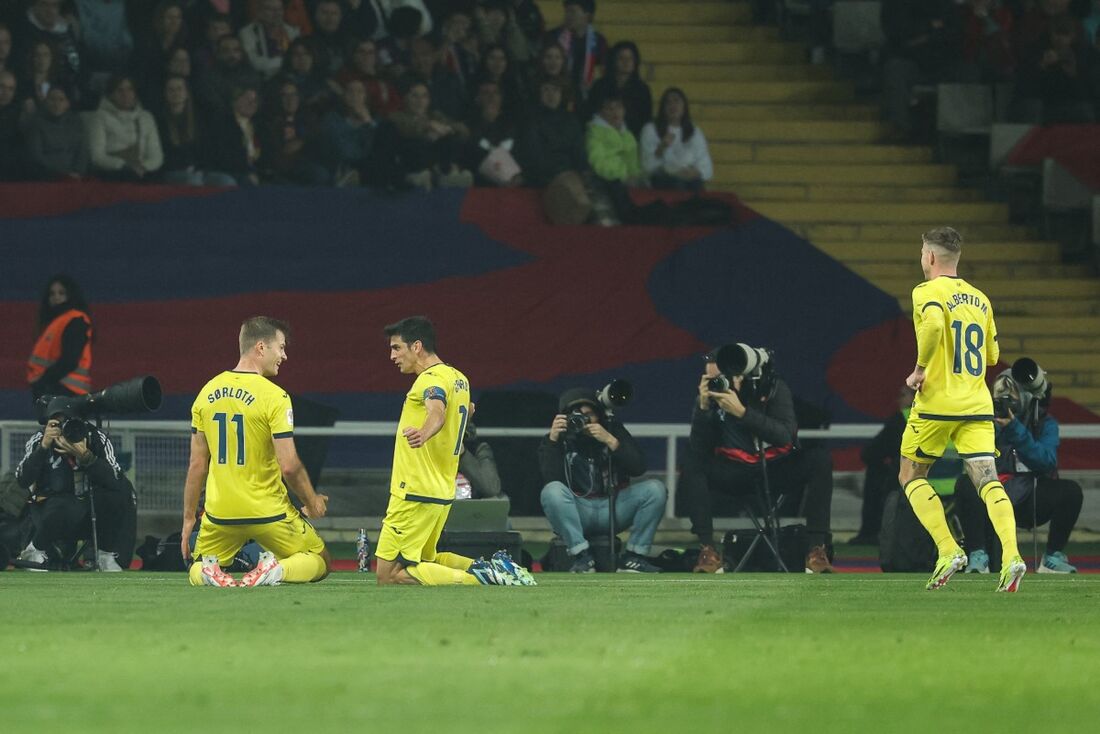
(583, 563)
(635, 563)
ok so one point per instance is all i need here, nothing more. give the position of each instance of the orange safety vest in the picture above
(47, 350)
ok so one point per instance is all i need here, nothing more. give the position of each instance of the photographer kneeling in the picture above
(587, 455)
(1027, 439)
(53, 469)
(736, 406)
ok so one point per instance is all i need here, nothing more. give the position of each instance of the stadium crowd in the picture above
(396, 94)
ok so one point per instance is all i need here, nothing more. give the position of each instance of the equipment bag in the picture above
(904, 544)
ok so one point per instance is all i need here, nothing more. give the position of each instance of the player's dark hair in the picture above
(414, 328)
(261, 328)
(945, 237)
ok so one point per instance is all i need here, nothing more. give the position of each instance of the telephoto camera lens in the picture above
(720, 383)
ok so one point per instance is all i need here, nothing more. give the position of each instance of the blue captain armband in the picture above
(435, 393)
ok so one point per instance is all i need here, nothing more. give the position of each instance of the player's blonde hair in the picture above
(947, 239)
(261, 328)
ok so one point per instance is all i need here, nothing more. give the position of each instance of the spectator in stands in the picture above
(674, 151)
(580, 468)
(1027, 439)
(168, 34)
(199, 13)
(612, 148)
(267, 39)
(122, 136)
(988, 53)
(552, 141)
(178, 64)
(492, 140)
(235, 142)
(204, 54)
(57, 147)
(11, 134)
(446, 90)
(41, 73)
(229, 72)
(585, 48)
(497, 26)
(477, 466)
(621, 79)
(429, 144)
(723, 457)
(61, 361)
(184, 139)
(1032, 27)
(382, 96)
(5, 48)
(880, 456)
(44, 22)
(289, 139)
(300, 66)
(395, 51)
(496, 68)
(455, 57)
(106, 35)
(528, 18)
(329, 41)
(923, 46)
(1055, 85)
(365, 19)
(349, 132)
(551, 62)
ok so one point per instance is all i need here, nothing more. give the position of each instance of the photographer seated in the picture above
(1027, 440)
(587, 455)
(478, 477)
(53, 470)
(733, 410)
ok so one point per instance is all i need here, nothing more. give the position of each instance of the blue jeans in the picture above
(639, 507)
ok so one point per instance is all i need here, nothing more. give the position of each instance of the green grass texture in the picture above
(144, 652)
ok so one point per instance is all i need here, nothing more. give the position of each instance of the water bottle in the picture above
(362, 547)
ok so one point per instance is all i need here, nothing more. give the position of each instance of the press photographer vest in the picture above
(47, 350)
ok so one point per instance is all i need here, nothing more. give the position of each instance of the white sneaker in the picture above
(33, 555)
(108, 562)
(268, 572)
(213, 575)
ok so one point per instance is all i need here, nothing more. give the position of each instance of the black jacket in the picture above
(715, 431)
(51, 474)
(552, 142)
(614, 468)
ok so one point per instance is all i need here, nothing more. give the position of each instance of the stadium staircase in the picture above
(794, 144)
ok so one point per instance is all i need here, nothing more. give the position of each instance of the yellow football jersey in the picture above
(954, 384)
(428, 473)
(241, 413)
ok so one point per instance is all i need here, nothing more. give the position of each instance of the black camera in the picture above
(75, 430)
(1002, 406)
(721, 383)
(575, 423)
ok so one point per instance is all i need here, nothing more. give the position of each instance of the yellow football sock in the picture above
(194, 574)
(929, 510)
(301, 568)
(433, 574)
(999, 507)
(453, 560)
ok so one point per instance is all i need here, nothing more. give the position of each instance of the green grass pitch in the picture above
(143, 652)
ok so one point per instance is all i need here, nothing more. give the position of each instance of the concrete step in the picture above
(645, 33)
(1037, 345)
(1060, 361)
(906, 252)
(845, 153)
(750, 193)
(859, 175)
(927, 215)
(1086, 396)
(906, 234)
(688, 12)
(855, 131)
(975, 272)
(1062, 289)
(748, 52)
(1071, 379)
(777, 91)
(663, 75)
(707, 114)
(1025, 326)
(1038, 307)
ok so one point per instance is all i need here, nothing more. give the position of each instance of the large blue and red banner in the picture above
(518, 303)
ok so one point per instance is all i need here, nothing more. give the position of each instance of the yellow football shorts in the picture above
(411, 530)
(924, 439)
(284, 538)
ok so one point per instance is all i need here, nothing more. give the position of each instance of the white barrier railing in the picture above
(159, 449)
